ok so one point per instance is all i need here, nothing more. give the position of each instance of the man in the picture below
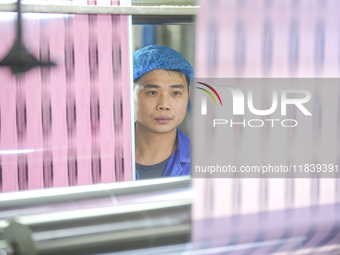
(161, 91)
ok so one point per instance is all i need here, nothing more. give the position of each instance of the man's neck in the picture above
(153, 148)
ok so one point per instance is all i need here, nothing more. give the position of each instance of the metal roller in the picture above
(99, 230)
(170, 12)
(101, 195)
(99, 9)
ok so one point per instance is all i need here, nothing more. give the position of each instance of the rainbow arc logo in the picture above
(204, 101)
(209, 93)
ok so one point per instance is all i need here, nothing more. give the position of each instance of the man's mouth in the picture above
(163, 119)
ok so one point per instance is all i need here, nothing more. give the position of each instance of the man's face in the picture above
(161, 99)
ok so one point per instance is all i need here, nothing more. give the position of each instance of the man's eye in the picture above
(176, 93)
(152, 93)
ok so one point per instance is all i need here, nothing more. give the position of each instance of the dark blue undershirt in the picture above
(152, 171)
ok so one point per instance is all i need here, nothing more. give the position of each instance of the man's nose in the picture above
(163, 103)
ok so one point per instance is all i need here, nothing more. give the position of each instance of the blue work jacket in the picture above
(179, 161)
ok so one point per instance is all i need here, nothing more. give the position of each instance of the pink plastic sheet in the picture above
(70, 124)
(270, 39)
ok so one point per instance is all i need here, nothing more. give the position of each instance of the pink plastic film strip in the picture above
(271, 39)
(69, 124)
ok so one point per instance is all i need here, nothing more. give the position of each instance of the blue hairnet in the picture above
(159, 57)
